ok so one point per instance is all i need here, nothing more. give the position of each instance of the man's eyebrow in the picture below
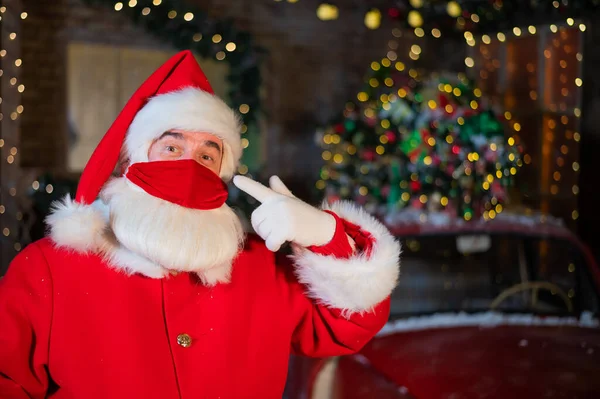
(210, 143)
(171, 134)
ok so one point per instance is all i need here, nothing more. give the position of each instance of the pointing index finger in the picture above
(253, 188)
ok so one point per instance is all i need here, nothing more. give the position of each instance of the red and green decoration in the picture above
(431, 145)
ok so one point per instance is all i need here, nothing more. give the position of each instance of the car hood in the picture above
(490, 362)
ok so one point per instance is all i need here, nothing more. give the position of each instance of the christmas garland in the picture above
(188, 28)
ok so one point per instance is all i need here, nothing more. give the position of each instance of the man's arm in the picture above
(25, 317)
(342, 293)
(346, 266)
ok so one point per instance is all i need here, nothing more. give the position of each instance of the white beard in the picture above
(205, 242)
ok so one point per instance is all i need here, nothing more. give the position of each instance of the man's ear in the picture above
(123, 167)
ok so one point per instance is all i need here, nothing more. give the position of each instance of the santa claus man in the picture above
(146, 286)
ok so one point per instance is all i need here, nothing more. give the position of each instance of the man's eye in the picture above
(171, 148)
(207, 157)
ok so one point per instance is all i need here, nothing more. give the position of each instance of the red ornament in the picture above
(468, 113)
(415, 186)
(368, 155)
(339, 128)
(443, 100)
(394, 12)
(455, 149)
(390, 136)
(385, 191)
(416, 204)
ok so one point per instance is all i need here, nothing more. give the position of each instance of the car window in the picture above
(523, 274)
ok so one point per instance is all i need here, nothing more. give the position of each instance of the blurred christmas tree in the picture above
(412, 143)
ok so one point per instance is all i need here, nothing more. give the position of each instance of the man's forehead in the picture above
(207, 139)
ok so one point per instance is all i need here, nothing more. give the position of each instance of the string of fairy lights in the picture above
(557, 112)
(9, 73)
(456, 15)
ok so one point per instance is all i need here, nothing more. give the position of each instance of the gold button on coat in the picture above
(184, 340)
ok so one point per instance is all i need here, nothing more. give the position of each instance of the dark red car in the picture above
(499, 309)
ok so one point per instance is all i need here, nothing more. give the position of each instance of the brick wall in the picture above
(43, 57)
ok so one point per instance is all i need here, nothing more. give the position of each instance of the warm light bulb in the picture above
(453, 9)
(327, 12)
(373, 19)
(415, 19)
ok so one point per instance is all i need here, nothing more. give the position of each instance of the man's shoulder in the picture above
(30, 264)
(45, 253)
(50, 250)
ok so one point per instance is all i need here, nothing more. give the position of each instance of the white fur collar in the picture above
(86, 229)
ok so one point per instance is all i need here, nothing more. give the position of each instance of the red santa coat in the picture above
(71, 326)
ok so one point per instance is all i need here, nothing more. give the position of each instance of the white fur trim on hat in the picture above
(357, 284)
(188, 109)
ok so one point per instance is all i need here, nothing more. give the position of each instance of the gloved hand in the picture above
(281, 217)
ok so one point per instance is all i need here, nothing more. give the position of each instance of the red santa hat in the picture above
(176, 96)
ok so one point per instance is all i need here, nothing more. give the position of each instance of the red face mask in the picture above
(186, 183)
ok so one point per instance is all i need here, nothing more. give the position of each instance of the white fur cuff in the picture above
(359, 283)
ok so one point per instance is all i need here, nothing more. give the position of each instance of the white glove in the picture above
(283, 217)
